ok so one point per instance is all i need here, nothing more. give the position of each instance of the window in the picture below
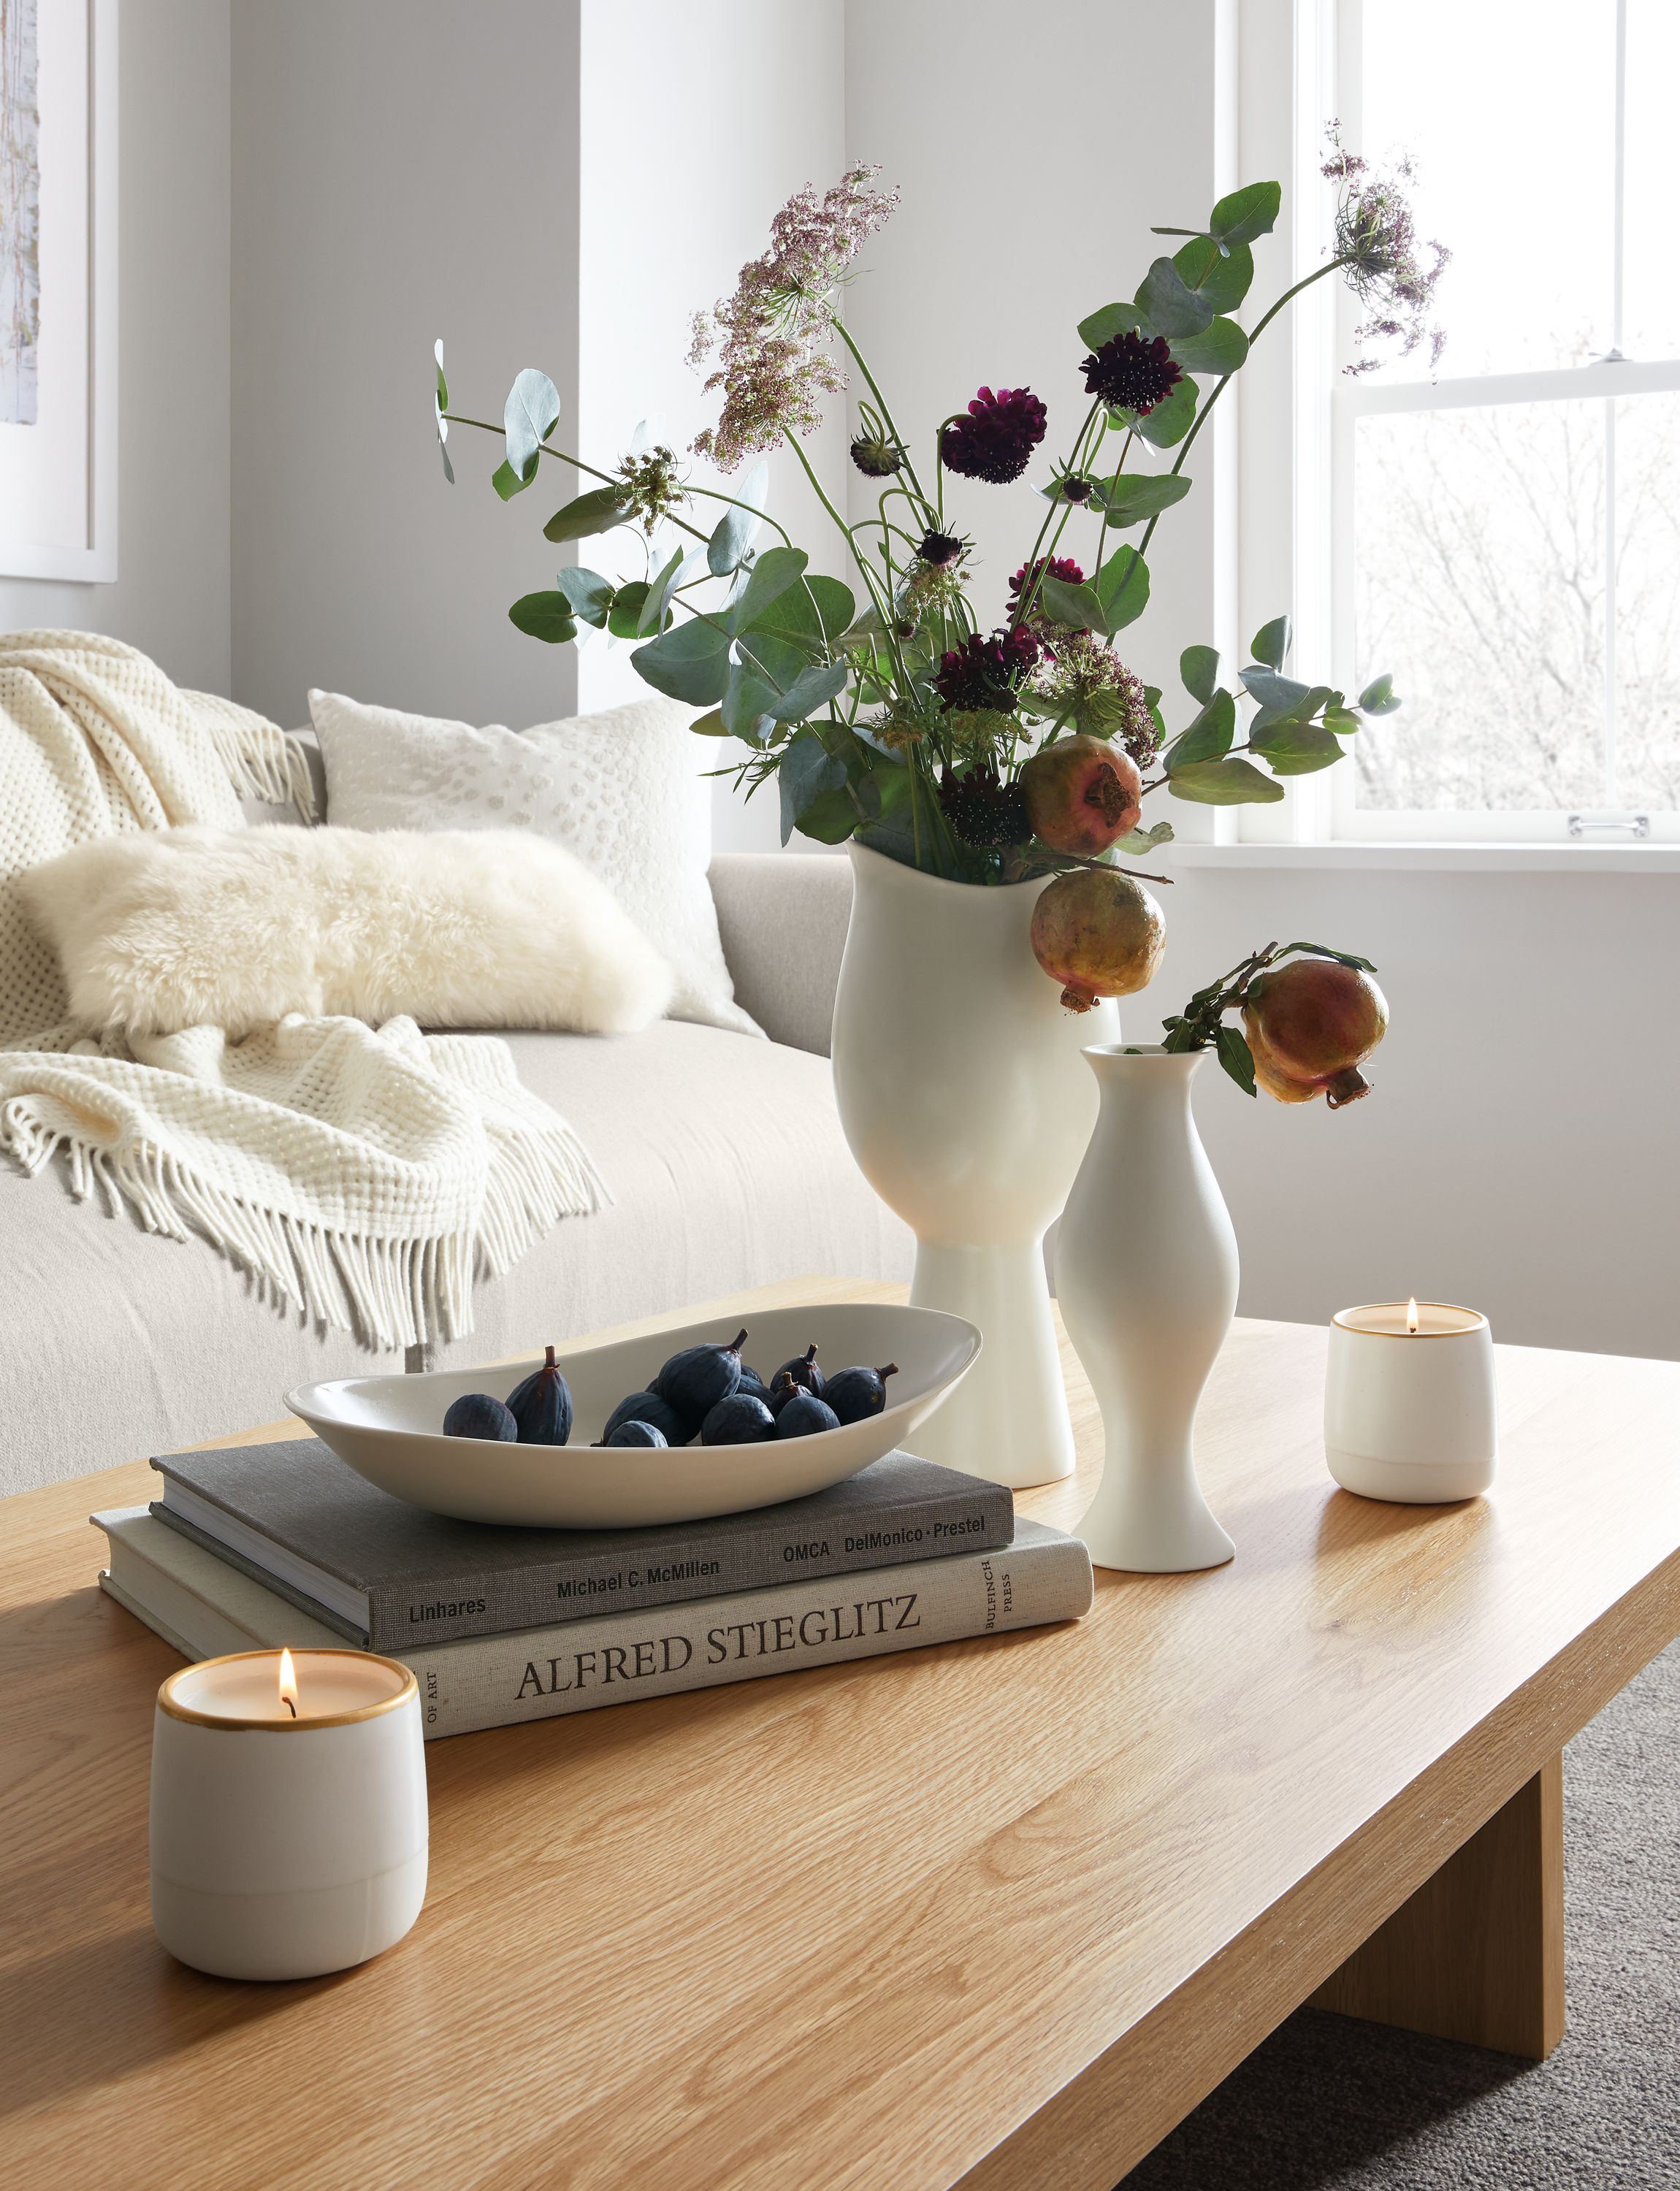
(1504, 538)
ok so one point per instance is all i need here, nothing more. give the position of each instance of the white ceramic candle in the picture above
(1409, 1401)
(289, 1834)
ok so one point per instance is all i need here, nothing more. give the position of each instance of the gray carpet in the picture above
(1331, 2104)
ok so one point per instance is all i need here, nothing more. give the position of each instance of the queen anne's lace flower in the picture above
(770, 337)
(1377, 247)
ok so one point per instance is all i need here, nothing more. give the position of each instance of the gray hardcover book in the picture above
(386, 1573)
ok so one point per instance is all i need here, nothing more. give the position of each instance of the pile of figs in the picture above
(703, 1393)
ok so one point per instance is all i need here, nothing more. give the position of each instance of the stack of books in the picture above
(249, 1547)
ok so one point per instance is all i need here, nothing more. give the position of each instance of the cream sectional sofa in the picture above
(722, 1151)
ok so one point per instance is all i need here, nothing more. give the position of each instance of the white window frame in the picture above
(1298, 63)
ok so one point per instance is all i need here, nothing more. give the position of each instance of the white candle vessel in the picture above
(1409, 1401)
(288, 1811)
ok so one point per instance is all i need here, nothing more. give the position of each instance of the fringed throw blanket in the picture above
(364, 1175)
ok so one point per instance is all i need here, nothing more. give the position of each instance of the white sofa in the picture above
(723, 1154)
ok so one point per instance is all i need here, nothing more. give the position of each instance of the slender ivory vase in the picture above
(1146, 1273)
(965, 1099)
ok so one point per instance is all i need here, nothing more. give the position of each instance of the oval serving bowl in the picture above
(389, 1429)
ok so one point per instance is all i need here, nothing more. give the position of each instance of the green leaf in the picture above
(597, 511)
(1172, 417)
(1220, 279)
(652, 615)
(1342, 721)
(1232, 781)
(831, 816)
(806, 770)
(1246, 213)
(1324, 951)
(1271, 642)
(1145, 840)
(442, 385)
(1123, 589)
(777, 661)
(746, 703)
(775, 571)
(528, 418)
(544, 616)
(866, 626)
(1208, 737)
(589, 593)
(1130, 496)
(690, 662)
(507, 481)
(812, 688)
(813, 615)
(1102, 327)
(1295, 748)
(1078, 606)
(1169, 307)
(730, 540)
(1236, 1056)
(1378, 697)
(624, 617)
(709, 725)
(1221, 348)
(1278, 696)
(1198, 668)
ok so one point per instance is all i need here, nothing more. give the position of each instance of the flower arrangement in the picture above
(880, 704)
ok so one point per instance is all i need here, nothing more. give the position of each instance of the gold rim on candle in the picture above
(1453, 1307)
(239, 1724)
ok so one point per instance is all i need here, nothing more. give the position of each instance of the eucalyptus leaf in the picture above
(652, 615)
(1326, 951)
(1236, 1056)
(868, 625)
(1208, 737)
(544, 616)
(448, 468)
(746, 703)
(1272, 643)
(1295, 748)
(813, 614)
(1168, 304)
(807, 769)
(1283, 694)
(1145, 840)
(507, 481)
(589, 593)
(1221, 348)
(709, 725)
(777, 660)
(1220, 279)
(812, 688)
(1129, 496)
(1080, 606)
(1103, 326)
(442, 385)
(1246, 213)
(729, 541)
(1172, 417)
(690, 662)
(528, 417)
(623, 615)
(1342, 721)
(1198, 668)
(597, 511)
(1232, 781)
(1123, 589)
(774, 572)
(1378, 697)
(831, 816)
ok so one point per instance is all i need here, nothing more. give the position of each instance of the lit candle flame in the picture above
(1411, 1316)
(288, 1683)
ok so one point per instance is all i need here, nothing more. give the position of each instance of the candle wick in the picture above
(290, 1706)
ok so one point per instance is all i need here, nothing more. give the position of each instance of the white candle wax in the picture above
(284, 1845)
(1409, 1401)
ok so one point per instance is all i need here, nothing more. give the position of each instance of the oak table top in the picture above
(1002, 1909)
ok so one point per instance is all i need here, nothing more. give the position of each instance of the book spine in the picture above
(502, 1680)
(975, 1517)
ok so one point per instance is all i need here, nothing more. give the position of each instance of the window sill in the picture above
(1393, 858)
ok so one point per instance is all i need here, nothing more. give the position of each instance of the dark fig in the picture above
(804, 1416)
(541, 1405)
(753, 1383)
(855, 1394)
(694, 1380)
(804, 1372)
(648, 1408)
(637, 1433)
(740, 1420)
(477, 1415)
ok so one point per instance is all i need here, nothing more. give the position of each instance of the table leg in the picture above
(1477, 1953)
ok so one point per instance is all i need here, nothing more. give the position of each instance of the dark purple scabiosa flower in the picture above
(996, 438)
(941, 549)
(986, 673)
(1071, 486)
(875, 456)
(1131, 374)
(1052, 566)
(982, 810)
(1381, 256)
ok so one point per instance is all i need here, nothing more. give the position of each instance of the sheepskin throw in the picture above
(237, 928)
(364, 1175)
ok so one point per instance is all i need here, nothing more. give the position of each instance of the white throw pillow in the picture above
(167, 929)
(619, 789)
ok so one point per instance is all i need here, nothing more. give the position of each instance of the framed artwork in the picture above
(58, 288)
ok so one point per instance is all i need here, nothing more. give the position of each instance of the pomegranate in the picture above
(1082, 795)
(1100, 934)
(1309, 1022)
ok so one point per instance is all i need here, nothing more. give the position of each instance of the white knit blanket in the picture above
(364, 1175)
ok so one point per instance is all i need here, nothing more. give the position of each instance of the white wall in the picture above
(403, 169)
(171, 594)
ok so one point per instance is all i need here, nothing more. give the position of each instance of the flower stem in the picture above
(891, 426)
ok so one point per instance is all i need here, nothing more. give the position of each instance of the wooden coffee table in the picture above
(997, 1913)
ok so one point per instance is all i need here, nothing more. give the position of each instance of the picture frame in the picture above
(59, 289)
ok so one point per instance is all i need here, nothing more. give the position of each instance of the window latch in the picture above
(1633, 825)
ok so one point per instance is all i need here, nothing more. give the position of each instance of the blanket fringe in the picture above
(261, 761)
(389, 1293)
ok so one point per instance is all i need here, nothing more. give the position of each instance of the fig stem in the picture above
(891, 1370)
(548, 1362)
(737, 1342)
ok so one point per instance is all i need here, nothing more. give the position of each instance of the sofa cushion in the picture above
(724, 1157)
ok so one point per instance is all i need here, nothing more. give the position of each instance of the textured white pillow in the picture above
(619, 789)
(165, 929)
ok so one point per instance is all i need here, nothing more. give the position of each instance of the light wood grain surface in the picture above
(1000, 1911)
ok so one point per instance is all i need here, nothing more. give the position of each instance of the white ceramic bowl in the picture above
(390, 1428)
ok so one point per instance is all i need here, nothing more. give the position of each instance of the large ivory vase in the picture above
(967, 1103)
